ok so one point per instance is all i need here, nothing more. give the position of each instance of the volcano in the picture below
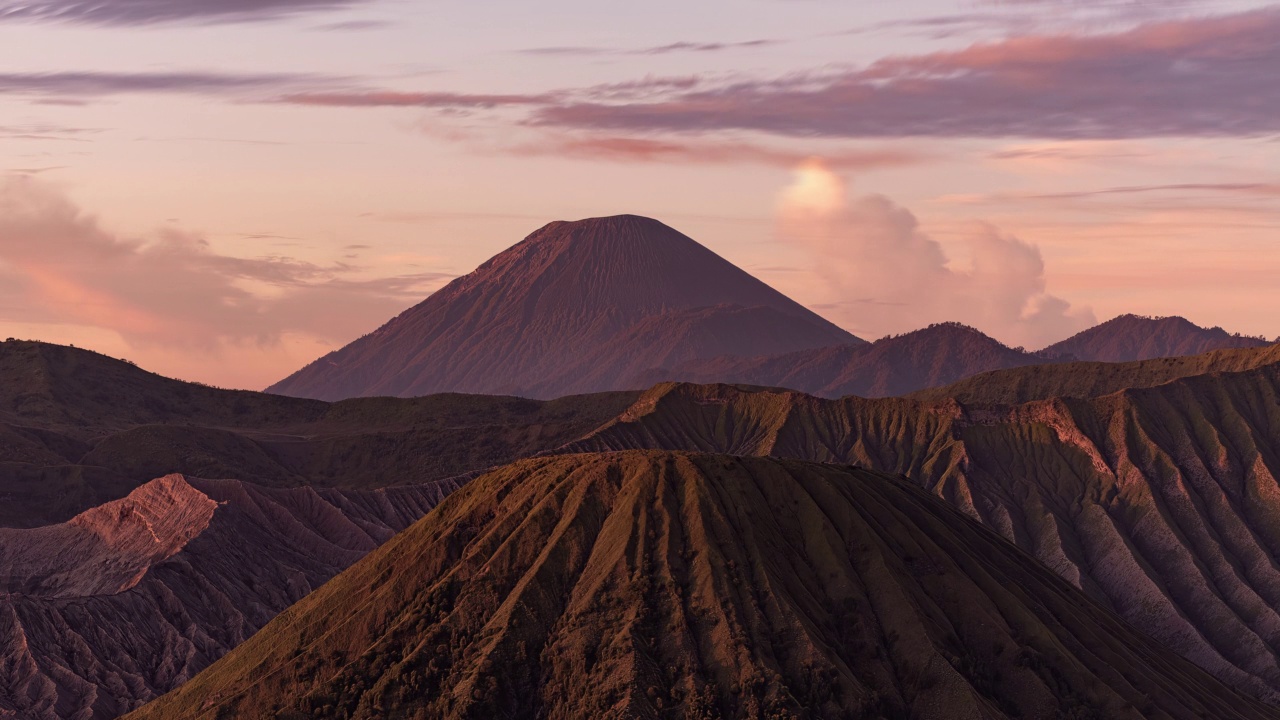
(576, 307)
(656, 585)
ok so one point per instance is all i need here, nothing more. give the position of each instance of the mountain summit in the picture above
(576, 307)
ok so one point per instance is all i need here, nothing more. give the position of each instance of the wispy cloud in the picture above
(1207, 76)
(46, 131)
(96, 84)
(642, 150)
(676, 47)
(429, 100)
(152, 12)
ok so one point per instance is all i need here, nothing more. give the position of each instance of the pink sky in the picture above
(223, 191)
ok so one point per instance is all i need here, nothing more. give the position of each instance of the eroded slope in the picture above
(1161, 503)
(647, 585)
(128, 600)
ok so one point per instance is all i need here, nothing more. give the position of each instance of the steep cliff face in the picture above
(654, 584)
(127, 600)
(1160, 503)
(576, 307)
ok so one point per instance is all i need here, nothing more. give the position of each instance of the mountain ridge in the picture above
(1133, 337)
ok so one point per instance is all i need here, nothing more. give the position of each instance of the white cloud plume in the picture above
(882, 274)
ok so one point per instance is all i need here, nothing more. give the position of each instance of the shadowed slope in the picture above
(576, 307)
(1133, 337)
(936, 355)
(130, 599)
(667, 585)
(1161, 503)
(78, 429)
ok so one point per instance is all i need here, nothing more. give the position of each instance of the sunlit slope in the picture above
(1161, 503)
(654, 584)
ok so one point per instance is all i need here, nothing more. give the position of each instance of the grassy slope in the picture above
(669, 585)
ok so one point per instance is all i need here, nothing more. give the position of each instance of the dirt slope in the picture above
(1161, 503)
(650, 585)
(127, 600)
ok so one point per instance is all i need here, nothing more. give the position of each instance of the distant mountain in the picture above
(1161, 503)
(1094, 379)
(130, 599)
(937, 355)
(78, 429)
(1134, 337)
(647, 585)
(576, 307)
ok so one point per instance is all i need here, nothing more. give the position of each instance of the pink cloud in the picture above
(59, 266)
(1206, 76)
(640, 149)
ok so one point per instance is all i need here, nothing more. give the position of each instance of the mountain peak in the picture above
(575, 307)
(1131, 337)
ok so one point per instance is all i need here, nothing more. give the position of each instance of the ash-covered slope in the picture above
(1134, 337)
(1161, 503)
(927, 358)
(78, 429)
(648, 585)
(128, 600)
(576, 307)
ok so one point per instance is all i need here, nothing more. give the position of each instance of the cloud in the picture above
(429, 100)
(651, 150)
(59, 266)
(152, 12)
(882, 274)
(1203, 76)
(94, 84)
(45, 131)
(676, 47)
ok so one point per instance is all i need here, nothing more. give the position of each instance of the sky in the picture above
(224, 190)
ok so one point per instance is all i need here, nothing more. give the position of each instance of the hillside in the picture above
(1134, 337)
(934, 356)
(576, 307)
(127, 600)
(1094, 379)
(1159, 503)
(78, 429)
(673, 585)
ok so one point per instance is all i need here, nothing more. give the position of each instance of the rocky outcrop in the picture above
(127, 600)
